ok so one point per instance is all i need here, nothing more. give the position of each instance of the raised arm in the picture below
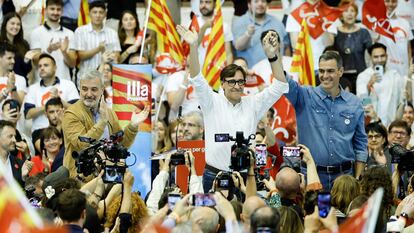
(271, 47)
(191, 38)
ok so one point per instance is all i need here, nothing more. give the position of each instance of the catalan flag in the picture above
(131, 90)
(83, 17)
(216, 53)
(302, 61)
(161, 22)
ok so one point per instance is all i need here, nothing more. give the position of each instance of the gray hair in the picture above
(92, 74)
(185, 227)
(208, 224)
(198, 115)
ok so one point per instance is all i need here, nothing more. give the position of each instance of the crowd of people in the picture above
(354, 131)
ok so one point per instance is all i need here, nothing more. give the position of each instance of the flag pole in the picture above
(145, 30)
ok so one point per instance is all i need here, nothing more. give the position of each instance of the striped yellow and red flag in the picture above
(216, 54)
(131, 91)
(302, 61)
(168, 41)
(83, 17)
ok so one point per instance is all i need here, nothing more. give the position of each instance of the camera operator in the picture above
(90, 116)
(228, 111)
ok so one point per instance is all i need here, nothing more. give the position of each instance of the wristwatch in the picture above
(404, 215)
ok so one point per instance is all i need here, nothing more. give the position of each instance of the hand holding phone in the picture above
(261, 155)
(201, 199)
(291, 151)
(172, 200)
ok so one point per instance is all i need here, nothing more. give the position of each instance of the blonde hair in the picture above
(290, 221)
(344, 190)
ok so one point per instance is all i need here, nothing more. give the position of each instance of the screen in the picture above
(172, 199)
(201, 199)
(261, 155)
(291, 151)
(324, 204)
(113, 174)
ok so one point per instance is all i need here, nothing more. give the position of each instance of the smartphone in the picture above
(366, 101)
(379, 71)
(172, 199)
(324, 204)
(201, 199)
(14, 105)
(261, 155)
(291, 151)
(113, 174)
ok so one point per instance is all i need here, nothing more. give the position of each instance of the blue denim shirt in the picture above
(332, 128)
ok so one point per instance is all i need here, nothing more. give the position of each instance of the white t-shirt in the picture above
(397, 51)
(38, 95)
(54, 35)
(190, 102)
(405, 10)
(319, 44)
(387, 94)
(33, 16)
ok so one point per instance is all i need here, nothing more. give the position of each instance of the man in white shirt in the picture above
(94, 39)
(385, 88)
(49, 87)
(399, 51)
(55, 40)
(12, 86)
(228, 111)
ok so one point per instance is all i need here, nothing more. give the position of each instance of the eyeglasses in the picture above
(375, 136)
(401, 133)
(233, 82)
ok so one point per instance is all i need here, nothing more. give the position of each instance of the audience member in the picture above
(19, 169)
(51, 156)
(337, 136)
(229, 111)
(382, 84)
(55, 40)
(250, 205)
(50, 86)
(290, 222)
(94, 40)
(71, 208)
(91, 117)
(13, 86)
(129, 35)
(248, 30)
(352, 41)
(12, 33)
(377, 143)
(206, 218)
(54, 112)
(345, 189)
(265, 218)
(193, 126)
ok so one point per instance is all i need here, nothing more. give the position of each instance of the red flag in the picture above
(319, 16)
(374, 17)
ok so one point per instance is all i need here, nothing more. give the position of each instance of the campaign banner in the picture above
(132, 92)
(182, 173)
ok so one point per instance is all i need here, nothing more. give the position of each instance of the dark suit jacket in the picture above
(16, 166)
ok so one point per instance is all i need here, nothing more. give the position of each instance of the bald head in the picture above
(268, 217)
(250, 205)
(206, 218)
(288, 183)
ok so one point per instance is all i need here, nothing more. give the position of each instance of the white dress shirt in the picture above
(221, 116)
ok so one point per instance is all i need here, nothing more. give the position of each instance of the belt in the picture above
(213, 169)
(339, 168)
(334, 169)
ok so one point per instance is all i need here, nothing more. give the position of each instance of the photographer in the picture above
(160, 181)
(91, 117)
(228, 111)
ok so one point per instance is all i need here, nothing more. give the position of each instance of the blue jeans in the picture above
(327, 179)
(208, 178)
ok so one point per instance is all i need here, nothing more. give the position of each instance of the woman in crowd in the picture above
(51, 157)
(351, 42)
(12, 32)
(377, 142)
(344, 190)
(164, 143)
(128, 30)
(172, 127)
(290, 221)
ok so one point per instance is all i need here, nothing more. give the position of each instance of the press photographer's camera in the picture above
(88, 159)
(178, 158)
(240, 152)
(403, 157)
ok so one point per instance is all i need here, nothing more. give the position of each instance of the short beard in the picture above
(208, 14)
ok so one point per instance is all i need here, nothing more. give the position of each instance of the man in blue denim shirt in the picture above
(330, 122)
